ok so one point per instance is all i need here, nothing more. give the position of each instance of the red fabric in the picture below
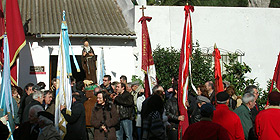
(2, 30)
(230, 121)
(219, 87)
(184, 70)
(147, 56)
(15, 34)
(206, 130)
(276, 77)
(267, 124)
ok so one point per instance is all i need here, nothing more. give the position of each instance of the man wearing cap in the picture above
(206, 129)
(244, 112)
(47, 129)
(196, 115)
(267, 124)
(226, 118)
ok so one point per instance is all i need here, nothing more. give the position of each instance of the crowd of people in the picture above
(119, 110)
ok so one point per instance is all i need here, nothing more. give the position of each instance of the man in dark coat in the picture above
(38, 98)
(107, 84)
(27, 91)
(76, 126)
(125, 106)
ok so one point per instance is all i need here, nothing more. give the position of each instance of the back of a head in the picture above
(274, 98)
(35, 109)
(37, 94)
(206, 110)
(77, 96)
(230, 90)
(248, 97)
(250, 89)
(42, 85)
(80, 85)
(123, 77)
(222, 97)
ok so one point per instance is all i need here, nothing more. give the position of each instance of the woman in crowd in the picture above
(104, 118)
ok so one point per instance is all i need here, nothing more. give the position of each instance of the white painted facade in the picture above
(255, 31)
(118, 59)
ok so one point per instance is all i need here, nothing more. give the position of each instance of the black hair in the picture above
(28, 85)
(250, 89)
(108, 76)
(123, 77)
(80, 85)
(77, 97)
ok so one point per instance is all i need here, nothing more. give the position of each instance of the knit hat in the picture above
(202, 99)
(274, 96)
(206, 110)
(47, 115)
(222, 97)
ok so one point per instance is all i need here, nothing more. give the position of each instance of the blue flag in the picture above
(102, 68)
(6, 99)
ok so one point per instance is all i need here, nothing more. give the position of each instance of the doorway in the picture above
(79, 76)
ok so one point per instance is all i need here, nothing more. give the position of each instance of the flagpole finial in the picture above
(215, 46)
(143, 8)
(63, 17)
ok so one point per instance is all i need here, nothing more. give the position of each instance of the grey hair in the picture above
(35, 109)
(250, 89)
(248, 97)
(37, 94)
(45, 120)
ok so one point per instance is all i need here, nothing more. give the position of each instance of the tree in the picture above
(235, 74)
(167, 65)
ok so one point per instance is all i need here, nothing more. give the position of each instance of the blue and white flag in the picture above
(102, 68)
(63, 91)
(6, 99)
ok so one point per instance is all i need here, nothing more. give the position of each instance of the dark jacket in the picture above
(196, 115)
(125, 105)
(109, 88)
(246, 119)
(26, 131)
(27, 108)
(152, 123)
(172, 111)
(76, 126)
(108, 116)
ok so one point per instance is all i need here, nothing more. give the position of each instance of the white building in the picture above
(113, 25)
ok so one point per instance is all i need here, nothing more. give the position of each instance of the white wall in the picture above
(255, 31)
(118, 59)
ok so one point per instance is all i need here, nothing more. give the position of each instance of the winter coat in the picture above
(230, 121)
(49, 133)
(205, 130)
(89, 106)
(108, 116)
(172, 111)
(125, 105)
(76, 126)
(267, 124)
(27, 108)
(246, 118)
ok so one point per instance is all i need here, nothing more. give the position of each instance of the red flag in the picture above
(15, 34)
(219, 87)
(276, 77)
(184, 70)
(2, 31)
(147, 58)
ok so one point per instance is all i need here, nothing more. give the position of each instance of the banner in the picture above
(148, 65)
(184, 70)
(219, 87)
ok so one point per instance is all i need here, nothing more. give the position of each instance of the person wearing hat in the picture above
(206, 129)
(267, 124)
(226, 118)
(244, 112)
(47, 129)
(196, 115)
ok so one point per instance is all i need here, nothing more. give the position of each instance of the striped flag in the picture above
(63, 91)
(219, 87)
(184, 70)
(148, 65)
(102, 67)
(15, 34)
(6, 99)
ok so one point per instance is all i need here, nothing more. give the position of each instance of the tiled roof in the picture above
(95, 17)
